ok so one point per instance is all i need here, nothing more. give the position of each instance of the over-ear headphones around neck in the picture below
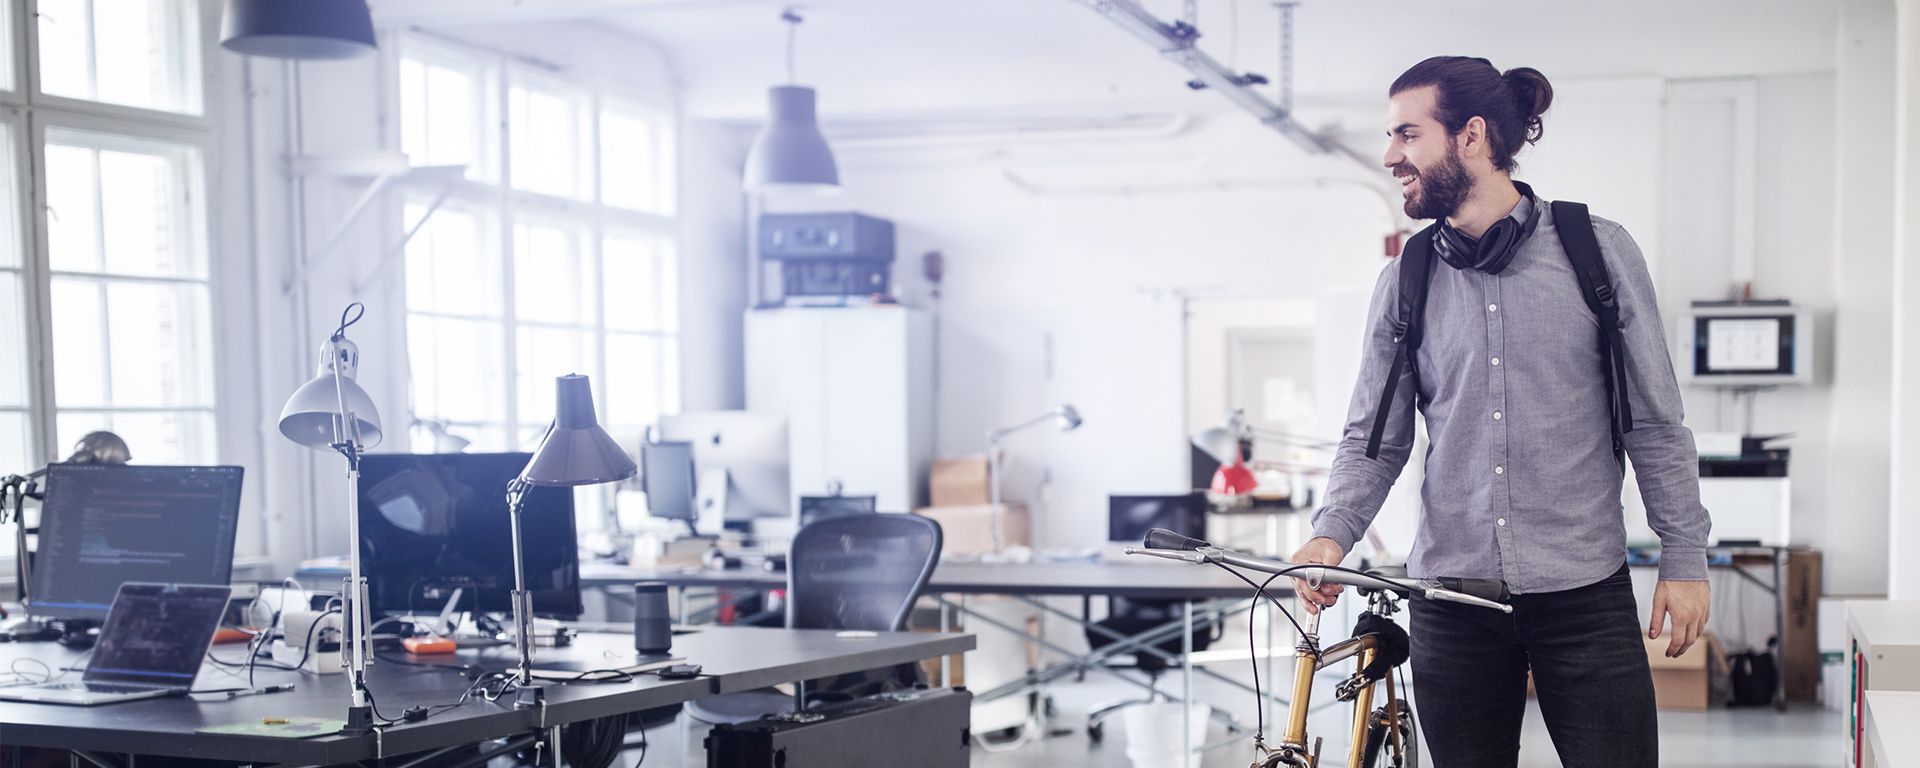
(1495, 248)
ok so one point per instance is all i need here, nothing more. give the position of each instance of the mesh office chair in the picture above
(861, 572)
(1128, 519)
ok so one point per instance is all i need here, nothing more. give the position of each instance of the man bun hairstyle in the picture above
(1511, 104)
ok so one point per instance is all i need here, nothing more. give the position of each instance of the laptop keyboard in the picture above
(101, 687)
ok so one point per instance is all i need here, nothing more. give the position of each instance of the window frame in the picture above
(196, 77)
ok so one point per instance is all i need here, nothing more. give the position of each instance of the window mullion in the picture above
(508, 250)
(93, 52)
(39, 289)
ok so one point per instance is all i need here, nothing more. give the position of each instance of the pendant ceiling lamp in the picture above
(790, 155)
(298, 29)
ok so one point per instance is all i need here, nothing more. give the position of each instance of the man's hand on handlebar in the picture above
(1323, 551)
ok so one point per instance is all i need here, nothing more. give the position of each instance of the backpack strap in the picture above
(1410, 309)
(1596, 286)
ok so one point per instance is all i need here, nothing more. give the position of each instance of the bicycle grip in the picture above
(1485, 589)
(1161, 538)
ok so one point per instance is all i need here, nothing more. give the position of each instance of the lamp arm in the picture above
(995, 435)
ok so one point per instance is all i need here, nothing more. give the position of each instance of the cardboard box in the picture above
(969, 530)
(1678, 683)
(1800, 642)
(960, 481)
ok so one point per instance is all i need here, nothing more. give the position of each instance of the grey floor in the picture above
(1803, 737)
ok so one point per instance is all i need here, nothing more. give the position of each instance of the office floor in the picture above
(1803, 737)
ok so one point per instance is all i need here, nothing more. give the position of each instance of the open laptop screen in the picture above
(157, 634)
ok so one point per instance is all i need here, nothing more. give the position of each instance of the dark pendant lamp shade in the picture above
(298, 29)
(577, 451)
(790, 153)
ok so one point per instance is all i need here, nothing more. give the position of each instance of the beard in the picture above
(1443, 187)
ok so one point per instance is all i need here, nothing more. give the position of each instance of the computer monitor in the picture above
(431, 524)
(1751, 344)
(750, 448)
(103, 525)
(1130, 517)
(666, 475)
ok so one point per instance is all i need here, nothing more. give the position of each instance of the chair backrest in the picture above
(861, 572)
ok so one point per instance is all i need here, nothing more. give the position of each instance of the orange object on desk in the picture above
(230, 635)
(426, 645)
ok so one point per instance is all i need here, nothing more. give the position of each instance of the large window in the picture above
(129, 295)
(555, 256)
(106, 318)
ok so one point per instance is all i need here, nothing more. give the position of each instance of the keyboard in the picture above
(101, 687)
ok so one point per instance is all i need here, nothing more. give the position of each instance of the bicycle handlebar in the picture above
(1485, 593)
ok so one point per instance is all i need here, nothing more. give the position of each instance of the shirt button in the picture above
(1502, 522)
(1493, 307)
(1496, 415)
(1499, 470)
(1496, 361)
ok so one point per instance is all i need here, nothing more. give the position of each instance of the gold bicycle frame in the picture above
(1307, 660)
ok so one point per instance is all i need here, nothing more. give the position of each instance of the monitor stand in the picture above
(32, 630)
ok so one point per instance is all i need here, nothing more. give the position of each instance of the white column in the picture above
(1858, 437)
(1903, 538)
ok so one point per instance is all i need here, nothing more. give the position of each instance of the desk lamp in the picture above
(332, 411)
(575, 451)
(1065, 416)
(1227, 444)
(1233, 479)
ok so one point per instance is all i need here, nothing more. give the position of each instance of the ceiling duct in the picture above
(1178, 41)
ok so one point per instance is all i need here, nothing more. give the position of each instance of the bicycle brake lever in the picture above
(1169, 554)
(1436, 593)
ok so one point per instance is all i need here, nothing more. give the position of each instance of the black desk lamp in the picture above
(575, 451)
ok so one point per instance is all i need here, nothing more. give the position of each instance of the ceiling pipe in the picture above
(1178, 42)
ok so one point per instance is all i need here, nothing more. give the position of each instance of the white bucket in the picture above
(1153, 734)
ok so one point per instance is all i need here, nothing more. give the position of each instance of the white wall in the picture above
(1067, 289)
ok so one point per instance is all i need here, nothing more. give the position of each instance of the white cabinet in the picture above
(856, 386)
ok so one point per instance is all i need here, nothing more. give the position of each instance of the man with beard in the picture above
(1515, 371)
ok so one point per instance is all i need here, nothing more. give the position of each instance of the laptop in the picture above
(151, 646)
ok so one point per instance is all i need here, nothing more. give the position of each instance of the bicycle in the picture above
(1383, 737)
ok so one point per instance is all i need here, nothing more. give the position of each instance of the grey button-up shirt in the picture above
(1521, 481)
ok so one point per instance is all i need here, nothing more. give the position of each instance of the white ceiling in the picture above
(942, 59)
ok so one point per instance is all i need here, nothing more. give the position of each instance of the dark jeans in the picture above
(1589, 669)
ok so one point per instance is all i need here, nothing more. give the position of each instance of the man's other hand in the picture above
(1323, 551)
(1686, 602)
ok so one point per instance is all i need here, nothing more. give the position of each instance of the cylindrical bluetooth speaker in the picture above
(652, 624)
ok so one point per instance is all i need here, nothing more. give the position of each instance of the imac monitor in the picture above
(431, 524)
(667, 477)
(748, 450)
(1747, 345)
(104, 525)
(1130, 517)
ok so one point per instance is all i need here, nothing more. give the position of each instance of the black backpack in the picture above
(1755, 675)
(1583, 249)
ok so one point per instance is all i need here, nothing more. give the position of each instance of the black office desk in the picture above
(1207, 595)
(733, 658)
(1144, 580)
